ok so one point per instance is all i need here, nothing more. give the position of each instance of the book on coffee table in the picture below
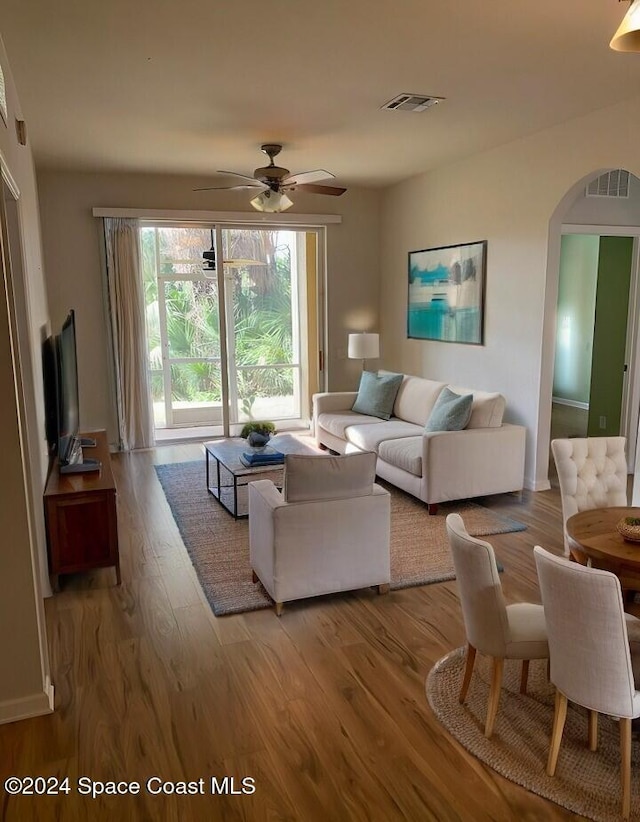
(262, 458)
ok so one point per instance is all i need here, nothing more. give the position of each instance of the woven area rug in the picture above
(219, 545)
(587, 783)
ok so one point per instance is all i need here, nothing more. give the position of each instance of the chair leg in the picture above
(625, 757)
(254, 576)
(384, 588)
(279, 608)
(524, 676)
(432, 507)
(494, 695)
(559, 717)
(468, 670)
(593, 730)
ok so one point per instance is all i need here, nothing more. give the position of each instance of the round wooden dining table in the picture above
(594, 534)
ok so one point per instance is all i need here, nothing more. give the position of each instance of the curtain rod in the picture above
(245, 217)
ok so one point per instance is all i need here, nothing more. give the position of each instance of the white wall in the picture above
(24, 675)
(71, 238)
(507, 196)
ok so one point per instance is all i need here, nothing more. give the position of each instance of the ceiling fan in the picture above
(275, 182)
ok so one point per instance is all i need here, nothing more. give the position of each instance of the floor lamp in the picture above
(364, 347)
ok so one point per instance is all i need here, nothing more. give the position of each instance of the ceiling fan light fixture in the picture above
(273, 181)
(627, 37)
(271, 201)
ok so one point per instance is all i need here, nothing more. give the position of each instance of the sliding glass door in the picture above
(262, 309)
(262, 363)
(183, 329)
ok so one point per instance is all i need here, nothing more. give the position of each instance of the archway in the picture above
(613, 223)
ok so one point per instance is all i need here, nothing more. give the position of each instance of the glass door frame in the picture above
(300, 301)
(226, 306)
(167, 359)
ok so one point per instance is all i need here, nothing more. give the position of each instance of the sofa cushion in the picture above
(376, 394)
(369, 437)
(451, 412)
(338, 422)
(415, 399)
(487, 409)
(327, 477)
(405, 453)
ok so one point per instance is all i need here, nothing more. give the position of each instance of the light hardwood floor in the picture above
(324, 708)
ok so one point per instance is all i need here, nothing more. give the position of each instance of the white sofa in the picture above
(487, 457)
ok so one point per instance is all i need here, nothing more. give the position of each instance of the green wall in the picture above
(609, 336)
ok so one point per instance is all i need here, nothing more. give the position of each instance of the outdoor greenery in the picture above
(262, 314)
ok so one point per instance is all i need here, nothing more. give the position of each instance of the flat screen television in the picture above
(50, 380)
(69, 450)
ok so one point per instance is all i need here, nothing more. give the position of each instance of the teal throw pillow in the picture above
(451, 412)
(376, 394)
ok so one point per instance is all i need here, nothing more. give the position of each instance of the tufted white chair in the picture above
(591, 663)
(592, 472)
(501, 631)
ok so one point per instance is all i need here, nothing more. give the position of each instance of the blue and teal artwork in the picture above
(446, 293)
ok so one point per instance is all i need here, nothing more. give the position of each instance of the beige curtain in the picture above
(128, 333)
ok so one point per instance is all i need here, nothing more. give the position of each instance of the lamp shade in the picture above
(271, 201)
(364, 346)
(627, 38)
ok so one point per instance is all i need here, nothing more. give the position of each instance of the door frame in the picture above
(301, 302)
(300, 226)
(630, 416)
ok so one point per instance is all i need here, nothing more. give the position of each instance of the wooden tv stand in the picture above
(80, 515)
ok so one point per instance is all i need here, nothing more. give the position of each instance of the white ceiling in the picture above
(197, 85)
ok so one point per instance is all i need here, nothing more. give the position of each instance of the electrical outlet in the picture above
(603, 422)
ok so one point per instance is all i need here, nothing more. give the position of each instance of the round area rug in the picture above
(587, 783)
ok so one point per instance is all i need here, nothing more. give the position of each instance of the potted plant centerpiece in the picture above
(258, 434)
(629, 527)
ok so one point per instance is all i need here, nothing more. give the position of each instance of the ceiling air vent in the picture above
(612, 184)
(411, 102)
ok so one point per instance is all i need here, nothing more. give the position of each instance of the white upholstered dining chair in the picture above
(327, 531)
(592, 472)
(501, 631)
(590, 661)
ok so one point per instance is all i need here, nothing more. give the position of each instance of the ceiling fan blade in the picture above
(312, 188)
(237, 174)
(308, 177)
(226, 188)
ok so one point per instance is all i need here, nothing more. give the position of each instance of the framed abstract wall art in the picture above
(446, 293)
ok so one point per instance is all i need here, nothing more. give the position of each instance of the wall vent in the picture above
(411, 102)
(612, 184)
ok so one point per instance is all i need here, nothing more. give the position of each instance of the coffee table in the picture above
(228, 477)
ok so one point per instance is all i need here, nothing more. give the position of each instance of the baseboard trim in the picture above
(571, 403)
(13, 710)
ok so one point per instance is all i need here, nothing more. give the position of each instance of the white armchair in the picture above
(327, 531)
